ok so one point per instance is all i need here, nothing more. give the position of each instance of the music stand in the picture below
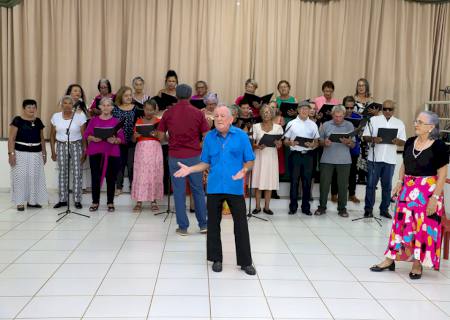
(168, 211)
(68, 211)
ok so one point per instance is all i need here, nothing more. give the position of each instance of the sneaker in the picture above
(204, 230)
(182, 232)
(250, 270)
(343, 213)
(217, 266)
(354, 199)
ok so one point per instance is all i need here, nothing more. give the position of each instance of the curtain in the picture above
(401, 47)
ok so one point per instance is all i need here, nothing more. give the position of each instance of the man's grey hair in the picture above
(338, 108)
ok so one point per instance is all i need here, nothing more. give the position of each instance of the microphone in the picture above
(78, 103)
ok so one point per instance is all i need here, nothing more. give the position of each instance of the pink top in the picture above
(103, 147)
(196, 97)
(255, 112)
(320, 101)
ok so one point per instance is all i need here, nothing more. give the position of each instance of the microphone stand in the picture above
(168, 211)
(68, 211)
(372, 145)
(249, 188)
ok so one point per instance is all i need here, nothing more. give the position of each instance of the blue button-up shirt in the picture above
(226, 156)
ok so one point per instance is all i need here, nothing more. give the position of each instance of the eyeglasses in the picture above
(349, 108)
(419, 123)
(388, 109)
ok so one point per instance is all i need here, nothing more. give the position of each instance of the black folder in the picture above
(335, 137)
(326, 112)
(301, 141)
(286, 106)
(357, 122)
(198, 103)
(250, 98)
(166, 100)
(108, 132)
(269, 139)
(387, 134)
(146, 129)
(373, 105)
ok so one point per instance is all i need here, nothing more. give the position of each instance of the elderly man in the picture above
(185, 125)
(382, 158)
(335, 157)
(228, 154)
(301, 158)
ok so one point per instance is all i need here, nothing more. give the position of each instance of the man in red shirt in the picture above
(185, 125)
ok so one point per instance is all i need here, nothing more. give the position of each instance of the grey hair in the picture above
(64, 98)
(338, 108)
(272, 112)
(252, 82)
(106, 99)
(234, 108)
(211, 98)
(433, 119)
(136, 79)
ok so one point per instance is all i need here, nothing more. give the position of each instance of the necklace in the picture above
(416, 155)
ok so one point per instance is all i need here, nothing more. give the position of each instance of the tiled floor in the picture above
(133, 266)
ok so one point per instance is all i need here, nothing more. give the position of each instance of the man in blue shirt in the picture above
(228, 154)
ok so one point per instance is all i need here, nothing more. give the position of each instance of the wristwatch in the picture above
(435, 196)
(11, 153)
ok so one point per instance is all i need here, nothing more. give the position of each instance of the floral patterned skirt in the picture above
(414, 234)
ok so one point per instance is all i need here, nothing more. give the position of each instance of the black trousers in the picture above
(351, 179)
(126, 160)
(166, 177)
(95, 162)
(241, 235)
(300, 167)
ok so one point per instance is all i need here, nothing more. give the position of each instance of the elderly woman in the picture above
(363, 96)
(211, 102)
(201, 90)
(105, 91)
(76, 92)
(265, 171)
(27, 156)
(61, 149)
(416, 230)
(139, 96)
(250, 87)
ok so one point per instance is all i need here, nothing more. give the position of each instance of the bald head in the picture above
(223, 118)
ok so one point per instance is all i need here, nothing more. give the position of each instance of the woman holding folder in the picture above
(104, 153)
(148, 160)
(265, 171)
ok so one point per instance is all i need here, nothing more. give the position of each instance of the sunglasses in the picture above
(349, 108)
(388, 109)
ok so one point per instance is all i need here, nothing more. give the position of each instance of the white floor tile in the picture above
(413, 310)
(52, 245)
(356, 309)
(439, 292)
(127, 287)
(136, 270)
(10, 306)
(43, 257)
(119, 306)
(51, 307)
(82, 270)
(337, 273)
(393, 291)
(15, 287)
(281, 273)
(444, 306)
(39, 270)
(181, 287)
(186, 306)
(184, 257)
(70, 287)
(297, 308)
(8, 256)
(341, 289)
(192, 271)
(235, 307)
(288, 288)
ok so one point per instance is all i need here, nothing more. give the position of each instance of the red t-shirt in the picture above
(185, 125)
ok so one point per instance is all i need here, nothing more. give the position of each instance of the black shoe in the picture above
(217, 266)
(20, 207)
(386, 214)
(343, 213)
(390, 267)
(275, 194)
(308, 213)
(78, 205)
(250, 270)
(59, 205)
(368, 214)
(38, 206)
(416, 276)
(292, 212)
(256, 211)
(191, 210)
(268, 211)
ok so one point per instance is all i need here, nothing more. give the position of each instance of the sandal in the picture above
(93, 207)
(154, 206)
(138, 207)
(111, 207)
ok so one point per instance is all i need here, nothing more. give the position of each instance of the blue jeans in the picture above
(379, 171)
(179, 193)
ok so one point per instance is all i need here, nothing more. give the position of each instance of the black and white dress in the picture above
(27, 176)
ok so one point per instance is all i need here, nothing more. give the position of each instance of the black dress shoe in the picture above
(78, 205)
(60, 204)
(275, 194)
(308, 213)
(20, 207)
(292, 212)
(268, 211)
(250, 270)
(256, 211)
(217, 266)
(386, 215)
(416, 276)
(390, 267)
(38, 206)
(368, 214)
